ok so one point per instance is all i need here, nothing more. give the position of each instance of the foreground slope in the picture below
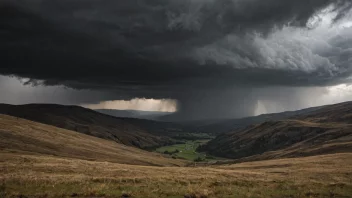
(122, 130)
(323, 131)
(43, 176)
(23, 136)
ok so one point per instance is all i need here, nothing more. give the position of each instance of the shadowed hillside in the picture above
(224, 126)
(38, 160)
(149, 115)
(27, 137)
(121, 130)
(323, 131)
(340, 113)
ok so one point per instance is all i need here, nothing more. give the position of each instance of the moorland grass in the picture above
(48, 176)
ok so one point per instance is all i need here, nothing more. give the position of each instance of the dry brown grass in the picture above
(38, 160)
(283, 139)
(23, 136)
(127, 131)
(319, 176)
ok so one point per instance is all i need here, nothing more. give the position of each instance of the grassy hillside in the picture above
(122, 130)
(27, 137)
(326, 130)
(228, 125)
(38, 160)
(44, 176)
(337, 113)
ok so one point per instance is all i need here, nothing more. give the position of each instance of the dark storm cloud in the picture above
(169, 48)
(14, 91)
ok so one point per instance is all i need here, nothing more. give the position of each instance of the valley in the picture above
(306, 155)
(175, 98)
(186, 151)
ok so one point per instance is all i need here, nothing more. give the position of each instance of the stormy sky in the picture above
(216, 58)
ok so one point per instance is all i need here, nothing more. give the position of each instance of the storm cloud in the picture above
(211, 55)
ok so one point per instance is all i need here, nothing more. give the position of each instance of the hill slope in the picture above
(323, 131)
(23, 136)
(224, 126)
(122, 130)
(339, 113)
(44, 176)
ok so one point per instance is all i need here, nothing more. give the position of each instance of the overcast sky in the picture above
(210, 58)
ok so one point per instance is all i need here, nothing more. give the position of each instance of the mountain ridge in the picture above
(23, 136)
(82, 120)
(294, 137)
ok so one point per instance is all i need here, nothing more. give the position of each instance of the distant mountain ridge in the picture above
(228, 125)
(148, 115)
(324, 130)
(122, 130)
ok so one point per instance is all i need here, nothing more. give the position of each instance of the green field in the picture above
(186, 150)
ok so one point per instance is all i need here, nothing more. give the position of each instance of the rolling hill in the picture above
(52, 176)
(322, 131)
(339, 113)
(128, 131)
(20, 136)
(39, 160)
(217, 127)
